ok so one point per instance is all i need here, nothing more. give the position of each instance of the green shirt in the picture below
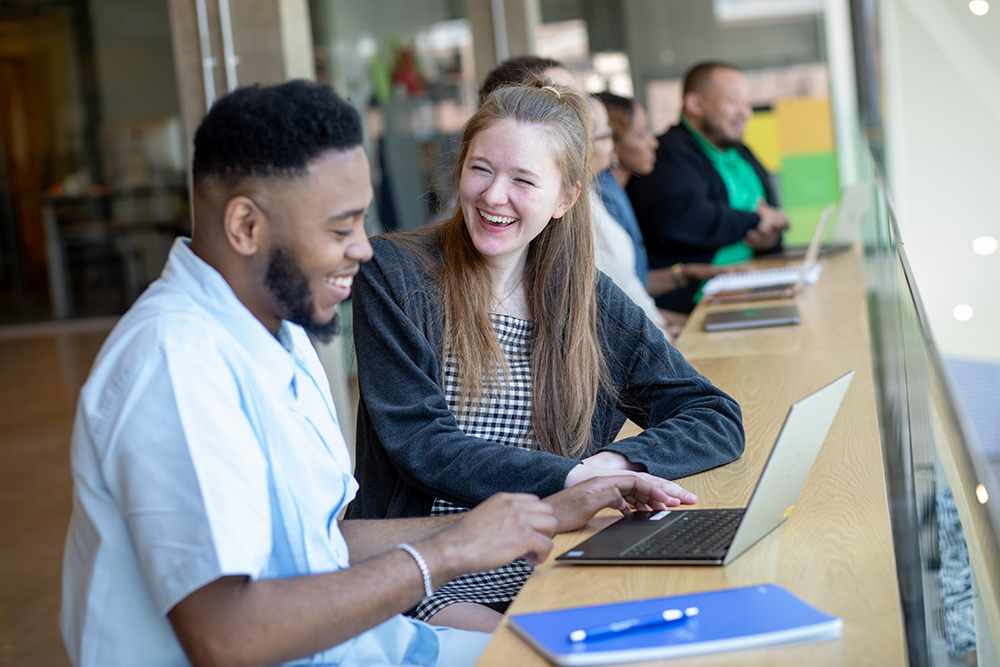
(743, 186)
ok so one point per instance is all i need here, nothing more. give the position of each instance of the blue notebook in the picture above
(726, 620)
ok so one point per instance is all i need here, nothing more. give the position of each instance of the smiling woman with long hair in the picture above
(492, 355)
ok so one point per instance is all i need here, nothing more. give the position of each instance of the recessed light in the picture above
(984, 245)
(981, 494)
(979, 7)
(962, 312)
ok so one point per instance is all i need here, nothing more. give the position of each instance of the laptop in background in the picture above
(845, 228)
(854, 203)
(799, 251)
(717, 537)
(730, 287)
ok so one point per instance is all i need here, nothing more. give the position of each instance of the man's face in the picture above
(318, 241)
(722, 110)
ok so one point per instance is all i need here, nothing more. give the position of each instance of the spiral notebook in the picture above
(726, 620)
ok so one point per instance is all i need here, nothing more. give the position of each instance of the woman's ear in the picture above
(244, 224)
(569, 198)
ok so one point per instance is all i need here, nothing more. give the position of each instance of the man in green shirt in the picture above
(708, 198)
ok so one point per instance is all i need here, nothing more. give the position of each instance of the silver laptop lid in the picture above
(854, 202)
(791, 459)
(815, 245)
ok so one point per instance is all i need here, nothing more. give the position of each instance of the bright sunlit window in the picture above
(985, 245)
(962, 312)
(979, 7)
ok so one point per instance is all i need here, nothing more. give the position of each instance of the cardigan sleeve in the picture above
(689, 424)
(395, 330)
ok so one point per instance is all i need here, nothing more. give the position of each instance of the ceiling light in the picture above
(979, 7)
(981, 494)
(962, 312)
(984, 245)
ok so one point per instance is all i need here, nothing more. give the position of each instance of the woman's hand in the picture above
(575, 506)
(611, 464)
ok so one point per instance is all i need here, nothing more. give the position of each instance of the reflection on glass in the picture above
(938, 469)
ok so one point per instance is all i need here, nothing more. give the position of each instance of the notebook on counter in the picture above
(778, 283)
(717, 537)
(751, 318)
(724, 620)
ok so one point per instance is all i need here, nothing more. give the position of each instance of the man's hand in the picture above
(500, 529)
(768, 232)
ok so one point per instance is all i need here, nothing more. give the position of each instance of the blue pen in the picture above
(630, 625)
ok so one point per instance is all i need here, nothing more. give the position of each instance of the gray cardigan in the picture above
(409, 448)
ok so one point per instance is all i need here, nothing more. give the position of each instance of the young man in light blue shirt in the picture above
(208, 464)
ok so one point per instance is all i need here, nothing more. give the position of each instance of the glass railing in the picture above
(944, 498)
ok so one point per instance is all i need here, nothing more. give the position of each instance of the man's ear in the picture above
(245, 225)
(692, 104)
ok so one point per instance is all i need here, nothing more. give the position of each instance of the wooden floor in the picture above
(41, 371)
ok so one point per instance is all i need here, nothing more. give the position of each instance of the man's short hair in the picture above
(514, 71)
(697, 78)
(270, 131)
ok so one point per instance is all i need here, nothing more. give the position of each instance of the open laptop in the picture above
(730, 287)
(845, 227)
(717, 537)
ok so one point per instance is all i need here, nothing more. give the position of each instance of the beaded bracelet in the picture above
(422, 564)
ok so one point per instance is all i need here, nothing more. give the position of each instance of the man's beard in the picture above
(714, 133)
(290, 289)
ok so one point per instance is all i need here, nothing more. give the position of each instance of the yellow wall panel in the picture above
(804, 126)
(761, 137)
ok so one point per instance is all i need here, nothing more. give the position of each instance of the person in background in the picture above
(518, 69)
(614, 252)
(707, 198)
(208, 465)
(635, 154)
(492, 355)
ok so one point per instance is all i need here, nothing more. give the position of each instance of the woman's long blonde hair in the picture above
(567, 363)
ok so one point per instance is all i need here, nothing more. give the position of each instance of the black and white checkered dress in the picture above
(505, 420)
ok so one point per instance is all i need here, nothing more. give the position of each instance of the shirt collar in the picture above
(274, 356)
(710, 149)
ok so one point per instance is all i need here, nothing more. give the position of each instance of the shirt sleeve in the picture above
(690, 425)
(399, 378)
(184, 465)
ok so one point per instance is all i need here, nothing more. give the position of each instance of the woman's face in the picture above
(510, 188)
(636, 148)
(601, 135)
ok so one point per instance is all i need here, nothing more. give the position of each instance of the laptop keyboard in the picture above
(705, 534)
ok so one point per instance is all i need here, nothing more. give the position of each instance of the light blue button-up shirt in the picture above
(204, 447)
